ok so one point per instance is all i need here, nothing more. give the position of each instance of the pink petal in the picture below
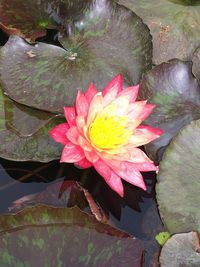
(73, 135)
(70, 115)
(80, 123)
(143, 135)
(72, 153)
(134, 155)
(84, 163)
(84, 143)
(81, 104)
(129, 173)
(132, 92)
(58, 133)
(111, 178)
(96, 105)
(91, 92)
(91, 156)
(136, 109)
(115, 84)
(146, 111)
(146, 167)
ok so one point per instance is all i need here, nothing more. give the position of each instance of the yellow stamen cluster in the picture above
(109, 131)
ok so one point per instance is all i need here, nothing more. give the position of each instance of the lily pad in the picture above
(64, 236)
(176, 93)
(106, 40)
(178, 184)
(174, 26)
(196, 63)
(31, 18)
(24, 132)
(179, 251)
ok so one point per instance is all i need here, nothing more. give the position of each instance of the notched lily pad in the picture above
(174, 26)
(64, 236)
(24, 132)
(106, 39)
(176, 93)
(178, 184)
(179, 251)
(29, 18)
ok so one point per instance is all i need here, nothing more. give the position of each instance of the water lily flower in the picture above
(103, 130)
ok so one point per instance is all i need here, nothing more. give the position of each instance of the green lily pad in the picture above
(196, 63)
(106, 40)
(176, 93)
(178, 184)
(64, 236)
(174, 26)
(179, 251)
(24, 132)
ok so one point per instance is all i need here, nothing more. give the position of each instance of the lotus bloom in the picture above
(103, 130)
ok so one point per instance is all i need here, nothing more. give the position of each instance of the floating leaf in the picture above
(24, 132)
(106, 40)
(64, 236)
(179, 251)
(178, 184)
(176, 93)
(196, 63)
(31, 18)
(174, 27)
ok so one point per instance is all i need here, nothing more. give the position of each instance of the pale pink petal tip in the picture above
(82, 105)
(91, 92)
(116, 82)
(58, 133)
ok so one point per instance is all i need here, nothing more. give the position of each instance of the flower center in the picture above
(107, 131)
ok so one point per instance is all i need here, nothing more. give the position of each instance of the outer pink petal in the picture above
(143, 135)
(72, 153)
(111, 178)
(136, 109)
(134, 155)
(84, 163)
(91, 92)
(73, 135)
(146, 111)
(70, 115)
(129, 173)
(146, 167)
(132, 92)
(82, 105)
(115, 83)
(58, 133)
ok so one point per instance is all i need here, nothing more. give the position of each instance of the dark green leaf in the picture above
(176, 93)
(174, 27)
(179, 251)
(24, 132)
(178, 184)
(106, 40)
(64, 236)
